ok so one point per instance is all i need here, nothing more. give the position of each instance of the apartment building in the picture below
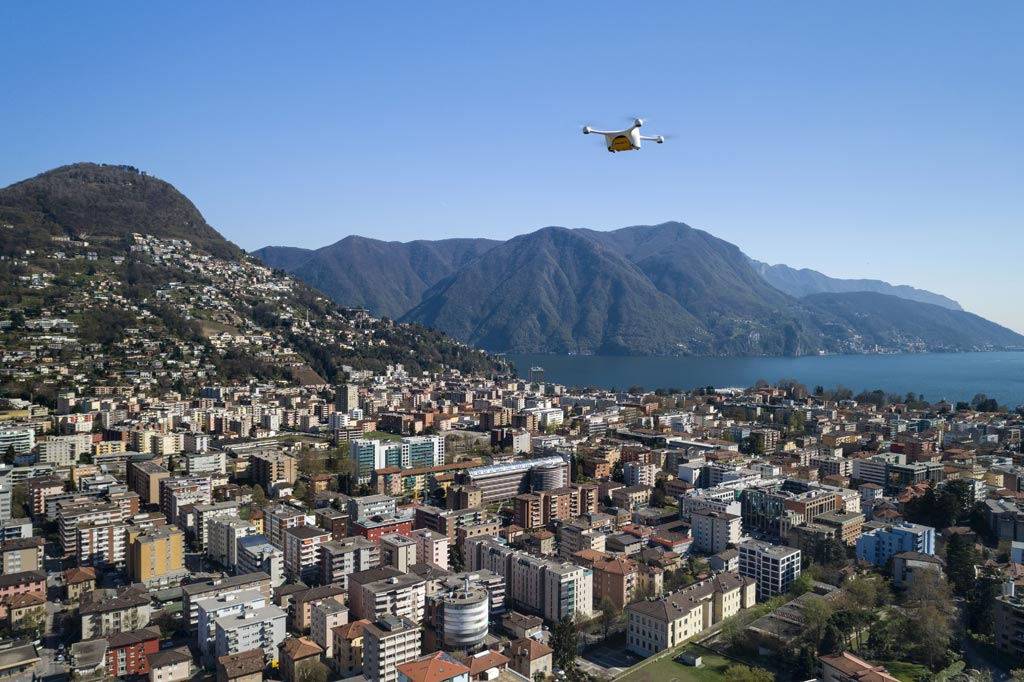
(211, 608)
(262, 628)
(279, 519)
(773, 567)
(388, 643)
(156, 555)
(144, 478)
(880, 542)
(714, 531)
(256, 554)
(222, 535)
(386, 590)
(431, 547)
(195, 591)
(341, 558)
(267, 468)
(302, 552)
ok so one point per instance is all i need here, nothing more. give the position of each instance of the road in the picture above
(49, 669)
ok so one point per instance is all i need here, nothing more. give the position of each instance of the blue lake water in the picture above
(950, 376)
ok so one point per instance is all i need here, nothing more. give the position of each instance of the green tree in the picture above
(259, 497)
(313, 672)
(10, 455)
(609, 614)
(539, 676)
(815, 614)
(803, 583)
(961, 558)
(299, 491)
(564, 640)
(19, 500)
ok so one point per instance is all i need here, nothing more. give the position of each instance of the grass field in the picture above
(908, 672)
(382, 435)
(667, 670)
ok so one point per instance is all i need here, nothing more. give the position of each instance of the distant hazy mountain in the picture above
(895, 321)
(386, 278)
(659, 289)
(805, 282)
(558, 290)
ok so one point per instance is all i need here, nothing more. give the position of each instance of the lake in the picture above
(949, 376)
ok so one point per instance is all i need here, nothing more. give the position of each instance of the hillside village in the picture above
(404, 526)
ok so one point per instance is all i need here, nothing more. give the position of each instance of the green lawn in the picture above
(667, 670)
(382, 435)
(908, 672)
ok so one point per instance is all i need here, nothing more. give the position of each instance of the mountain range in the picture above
(642, 290)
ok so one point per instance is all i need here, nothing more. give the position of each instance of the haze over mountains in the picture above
(662, 289)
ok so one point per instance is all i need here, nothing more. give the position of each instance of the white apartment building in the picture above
(387, 644)
(208, 462)
(213, 607)
(222, 535)
(302, 552)
(713, 531)
(342, 558)
(638, 473)
(722, 500)
(568, 591)
(774, 567)
(256, 554)
(262, 628)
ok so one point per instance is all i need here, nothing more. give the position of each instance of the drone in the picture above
(624, 140)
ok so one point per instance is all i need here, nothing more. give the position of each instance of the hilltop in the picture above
(111, 275)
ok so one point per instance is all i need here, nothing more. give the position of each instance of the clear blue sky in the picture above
(869, 139)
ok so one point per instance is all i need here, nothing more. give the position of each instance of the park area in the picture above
(667, 669)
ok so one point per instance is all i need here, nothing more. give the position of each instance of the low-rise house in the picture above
(247, 666)
(348, 648)
(437, 667)
(298, 655)
(170, 665)
(128, 652)
(128, 610)
(528, 657)
(845, 667)
(79, 581)
(907, 565)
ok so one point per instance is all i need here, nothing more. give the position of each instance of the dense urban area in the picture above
(209, 471)
(444, 526)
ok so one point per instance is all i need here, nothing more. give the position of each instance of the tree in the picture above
(539, 676)
(815, 614)
(19, 500)
(313, 672)
(803, 583)
(10, 455)
(609, 614)
(259, 497)
(564, 640)
(299, 490)
(961, 558)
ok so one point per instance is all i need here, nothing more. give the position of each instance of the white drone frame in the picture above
(624, 140)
